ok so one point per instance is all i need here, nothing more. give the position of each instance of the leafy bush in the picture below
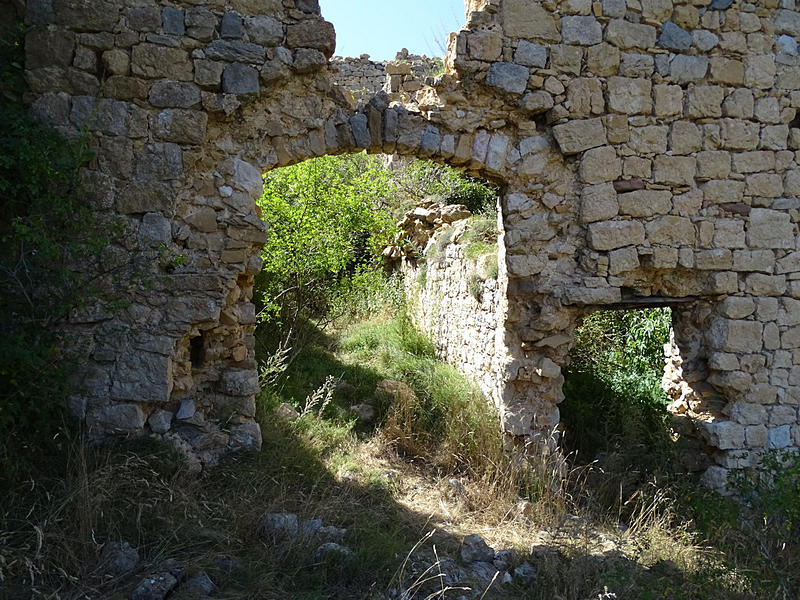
(45, 229)
(424, 179)
(612, 388)
(328, 221)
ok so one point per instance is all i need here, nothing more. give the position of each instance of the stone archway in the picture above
(647, 152)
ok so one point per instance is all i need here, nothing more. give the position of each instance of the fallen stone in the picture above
(474, 549)
(118, 558)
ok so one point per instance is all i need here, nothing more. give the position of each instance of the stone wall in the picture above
(455, 299)
(647, 150)
(400, 78)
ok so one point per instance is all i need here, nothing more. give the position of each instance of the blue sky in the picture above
(381, 28)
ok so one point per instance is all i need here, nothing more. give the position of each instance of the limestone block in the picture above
(566, 59)
(636, 65)
(523, 19)
(172, 21)
(713, 164)
(674, 170)
(181, 126)
(200, 23)
(486, 45)
(718, 259)
(674, 37)
(788, 22)
(599, 165)
(665, 258)
(602, 59)
(759, 71)
(239, 382)
(755, 436)
(788, 78)
(723, 191)
(685, 138)
(739, 104)
(770, 229)
(751, 162)
(536, 102)
(727, 71)
(629, 96)
(789, 263)
(530, 54)
(759, 284)
(779, 437)
(704, 101)
(754, 260)
(235, 51)
(790, 338)
(723, 361)
(509, 77)
(648, 140)
(626, 35)
(598, 203)
(774, 137)
(154, 61)
(734, 335)
(585, 97)
(116, 62)
(582, 296)
(671, 231)
(176, 94)
(312, 33)
(645, 203)
(791, 182)
(764, 185)
(247, 177)
(725, 435)
(704, 40)
(633, 166)
(729, 233)
(684, 68)
(614, 8)
(608, 235)
(117, 418)
(160, 421)
(789, 313)
(579, 135)
(623, 260)
(656, 10)
(524, 265)
(208, 73)
(738, 134)
(582, 30)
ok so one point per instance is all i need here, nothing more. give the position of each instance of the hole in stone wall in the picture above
(197, 351)
(382, 29)
(615, 409)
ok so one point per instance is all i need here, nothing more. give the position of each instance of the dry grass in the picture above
(398, 501)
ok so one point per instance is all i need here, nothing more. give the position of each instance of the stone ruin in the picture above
(399, 78)
(646, 151)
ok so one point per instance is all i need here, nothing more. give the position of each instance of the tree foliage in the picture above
(328, 219)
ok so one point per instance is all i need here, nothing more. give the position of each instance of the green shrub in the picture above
(612, 388)
(328, 222)
(46, 231)
(425, 179)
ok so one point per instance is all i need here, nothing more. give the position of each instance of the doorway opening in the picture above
(615, 409)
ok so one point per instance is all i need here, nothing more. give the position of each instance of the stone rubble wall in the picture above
(647, 149)
(400, 78)
(456, 301)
